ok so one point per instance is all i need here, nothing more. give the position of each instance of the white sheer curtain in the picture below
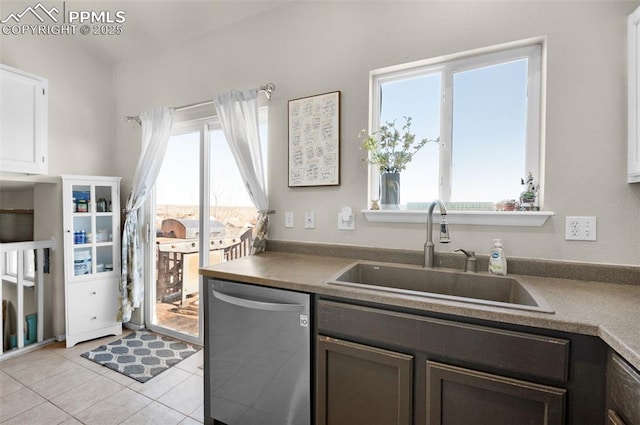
(156, 129)
(238, 112)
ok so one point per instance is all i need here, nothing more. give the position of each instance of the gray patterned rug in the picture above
(141, 355)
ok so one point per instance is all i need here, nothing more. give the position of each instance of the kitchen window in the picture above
(485, 109)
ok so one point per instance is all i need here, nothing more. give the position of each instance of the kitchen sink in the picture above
(476, 288)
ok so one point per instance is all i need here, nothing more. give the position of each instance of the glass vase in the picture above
(390, 191)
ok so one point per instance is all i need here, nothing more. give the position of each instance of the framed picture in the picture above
(314, 140)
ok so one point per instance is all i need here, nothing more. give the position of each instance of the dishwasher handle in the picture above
(257, 305)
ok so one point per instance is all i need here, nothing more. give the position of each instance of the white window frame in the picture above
(11, 266)
(532, 49)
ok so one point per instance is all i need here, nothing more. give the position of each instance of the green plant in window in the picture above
(391, 149)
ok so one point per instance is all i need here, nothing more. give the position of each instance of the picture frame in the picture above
(314, 140)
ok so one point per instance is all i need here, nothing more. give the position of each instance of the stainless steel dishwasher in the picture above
(257, 355)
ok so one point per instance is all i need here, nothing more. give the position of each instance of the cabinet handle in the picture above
(613, 418)
(256, 304)
(93, 317)
(93, 292)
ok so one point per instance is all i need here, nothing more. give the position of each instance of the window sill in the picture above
(482, 218)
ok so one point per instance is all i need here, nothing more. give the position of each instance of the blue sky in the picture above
(178, 181)
(489, 129)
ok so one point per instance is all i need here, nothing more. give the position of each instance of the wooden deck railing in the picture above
(171, 257)
(241, 246)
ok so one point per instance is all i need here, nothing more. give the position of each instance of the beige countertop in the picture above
(608, 310)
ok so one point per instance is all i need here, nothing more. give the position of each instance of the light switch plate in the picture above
(580, 229)
(288, 219)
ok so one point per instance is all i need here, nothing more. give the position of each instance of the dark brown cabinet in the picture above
(462, 396)
(623, 392)
(463, 371)
(359, 384)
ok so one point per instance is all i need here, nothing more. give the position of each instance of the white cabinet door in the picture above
(93, 305)
(23, 122)
(634, 97)
(91, 223)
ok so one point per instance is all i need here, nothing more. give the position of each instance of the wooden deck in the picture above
(180, 318)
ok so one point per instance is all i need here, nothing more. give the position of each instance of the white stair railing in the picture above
(16, 266)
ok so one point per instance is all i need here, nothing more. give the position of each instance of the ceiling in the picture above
(150, 25)
(154, 25)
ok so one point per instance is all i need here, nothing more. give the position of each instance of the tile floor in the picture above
(54, 385)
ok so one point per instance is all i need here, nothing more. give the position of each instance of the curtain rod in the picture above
(267, 89)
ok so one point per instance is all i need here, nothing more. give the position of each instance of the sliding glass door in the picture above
(199, 192)
(173, 283)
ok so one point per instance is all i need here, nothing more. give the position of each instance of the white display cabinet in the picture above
(91, 219)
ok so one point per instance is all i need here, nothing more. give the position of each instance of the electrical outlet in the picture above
(288, 219)
(580, 229)
(309, 220)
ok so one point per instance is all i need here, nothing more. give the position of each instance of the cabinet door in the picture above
(623, 392)
(462, 396)
(358, 384)
(613, 418)
(23, 122)
(92, 305)
(92, 229)
(633, 43)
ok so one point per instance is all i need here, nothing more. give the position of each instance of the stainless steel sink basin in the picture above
(476, 288)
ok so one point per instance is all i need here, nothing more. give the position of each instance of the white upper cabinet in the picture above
(634, 96)
(23, 122)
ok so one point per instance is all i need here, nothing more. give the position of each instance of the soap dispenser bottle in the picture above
(497, 259)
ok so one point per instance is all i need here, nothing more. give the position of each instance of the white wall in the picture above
(80, 138)
(47, 224)
(80, 100)
(309, 48)
(17, 200)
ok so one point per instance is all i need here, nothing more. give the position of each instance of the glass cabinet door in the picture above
(104, 229)
(92, 228)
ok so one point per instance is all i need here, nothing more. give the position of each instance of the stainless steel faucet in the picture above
(444, 232)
